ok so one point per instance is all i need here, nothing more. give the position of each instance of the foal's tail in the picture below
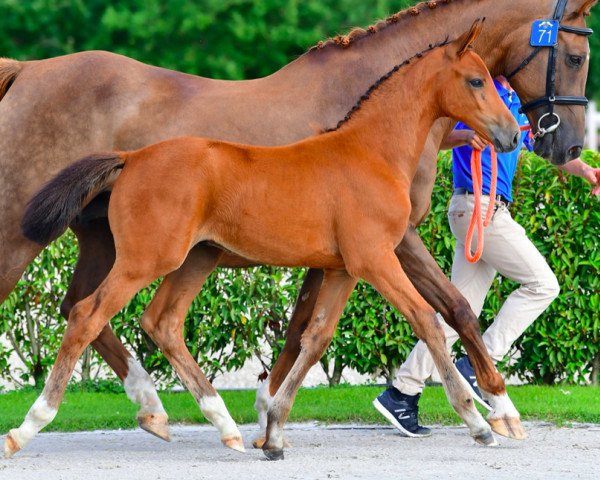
(55, 206)
(9, 69)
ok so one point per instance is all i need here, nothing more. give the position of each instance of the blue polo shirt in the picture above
(507, 162)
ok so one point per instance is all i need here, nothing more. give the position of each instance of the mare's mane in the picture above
(365, 97)
(358, 33)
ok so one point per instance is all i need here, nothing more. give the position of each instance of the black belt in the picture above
(499, 198)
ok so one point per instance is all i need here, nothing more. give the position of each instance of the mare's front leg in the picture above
(303, 310)
(431, 282)
(86, 321)
(337, 287)
(164, 320)
(96, 258)
(382, 270)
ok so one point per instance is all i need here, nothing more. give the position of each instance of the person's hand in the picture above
(592, 175)
(475, 141)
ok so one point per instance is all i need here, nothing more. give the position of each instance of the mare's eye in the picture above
(476, 83)
(575, 61)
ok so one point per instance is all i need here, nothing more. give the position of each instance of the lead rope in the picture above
(477, 221)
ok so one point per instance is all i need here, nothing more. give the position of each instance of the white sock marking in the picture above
(262, 404)
(141, 390)
(216, 412)
(40, 414)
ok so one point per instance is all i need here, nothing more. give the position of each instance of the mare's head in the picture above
(468, 94)
(550, 79)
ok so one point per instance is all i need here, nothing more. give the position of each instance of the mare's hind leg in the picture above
(305, 304)
(383, 271)
(87, 319)
(164, 320)
(443, 296)
(96, 258)
(337, 286)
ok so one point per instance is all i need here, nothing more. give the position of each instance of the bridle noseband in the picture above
(550, 98)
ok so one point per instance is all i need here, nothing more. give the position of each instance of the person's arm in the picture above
(581, 169)
(458, 138)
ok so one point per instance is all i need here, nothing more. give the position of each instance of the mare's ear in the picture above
(463, 43)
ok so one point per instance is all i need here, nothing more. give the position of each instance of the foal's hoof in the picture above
(260, 441)
(486, 439)
(510, 427)
(10, 445)
(235, 443)
(155, 423)
(273, 454)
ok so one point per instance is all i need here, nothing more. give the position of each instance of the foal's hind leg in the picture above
(96, 258)
(305, 304)
(444, 297)
(383, 271)
(86, 321)
(337, 286)
(164, 321)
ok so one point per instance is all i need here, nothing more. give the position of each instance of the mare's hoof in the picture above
(486, 439)
(235, 443)
(10, 446)
(273, 454)
(510, 427)
(157, 424)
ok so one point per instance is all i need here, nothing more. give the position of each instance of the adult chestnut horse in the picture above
(339, 201)
(54, 111)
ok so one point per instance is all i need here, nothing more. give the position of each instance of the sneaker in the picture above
(402, 411)
(464, 367)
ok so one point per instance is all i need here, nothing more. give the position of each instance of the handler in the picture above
(508, 251)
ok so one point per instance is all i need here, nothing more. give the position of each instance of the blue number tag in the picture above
(544, 33)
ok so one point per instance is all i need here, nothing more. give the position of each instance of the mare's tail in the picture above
(55, 206)
(9, 69)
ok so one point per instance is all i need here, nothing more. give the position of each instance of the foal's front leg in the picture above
(382, 270)
(337, 287)
(164, 320)
(443, 296)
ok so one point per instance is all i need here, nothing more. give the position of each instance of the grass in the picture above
(94, 410)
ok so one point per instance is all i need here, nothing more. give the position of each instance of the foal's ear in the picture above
(463, 43)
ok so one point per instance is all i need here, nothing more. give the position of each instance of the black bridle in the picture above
(551, 98)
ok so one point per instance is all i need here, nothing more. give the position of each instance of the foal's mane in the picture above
(382, 80)
(358, 33)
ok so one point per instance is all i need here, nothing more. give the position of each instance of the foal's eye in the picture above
(476, 82)
(575, 61)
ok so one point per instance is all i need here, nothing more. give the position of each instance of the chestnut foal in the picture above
(338, 201)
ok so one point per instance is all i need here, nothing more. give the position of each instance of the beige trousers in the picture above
(507, 250)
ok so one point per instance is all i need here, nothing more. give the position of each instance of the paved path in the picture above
(318, 452)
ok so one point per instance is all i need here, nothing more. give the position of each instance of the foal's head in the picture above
(468, 93)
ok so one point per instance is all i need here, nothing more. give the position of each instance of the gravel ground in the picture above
(318, 452)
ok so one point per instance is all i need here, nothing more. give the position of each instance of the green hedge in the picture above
(240, 313)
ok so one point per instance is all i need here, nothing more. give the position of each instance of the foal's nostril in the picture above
(516, 140)
(575, 151)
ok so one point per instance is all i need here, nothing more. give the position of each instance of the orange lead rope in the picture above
(477, 221)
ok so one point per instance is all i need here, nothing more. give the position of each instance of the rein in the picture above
(544, 34)
(477, 221)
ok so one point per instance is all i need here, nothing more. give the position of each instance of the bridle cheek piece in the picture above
(544, 34)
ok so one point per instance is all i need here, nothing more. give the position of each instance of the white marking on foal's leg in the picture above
(40, 414)
(262, 404)
(504, 417)
(216, 412)
(141, 390)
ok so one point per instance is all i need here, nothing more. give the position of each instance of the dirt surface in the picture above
(318, 452)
